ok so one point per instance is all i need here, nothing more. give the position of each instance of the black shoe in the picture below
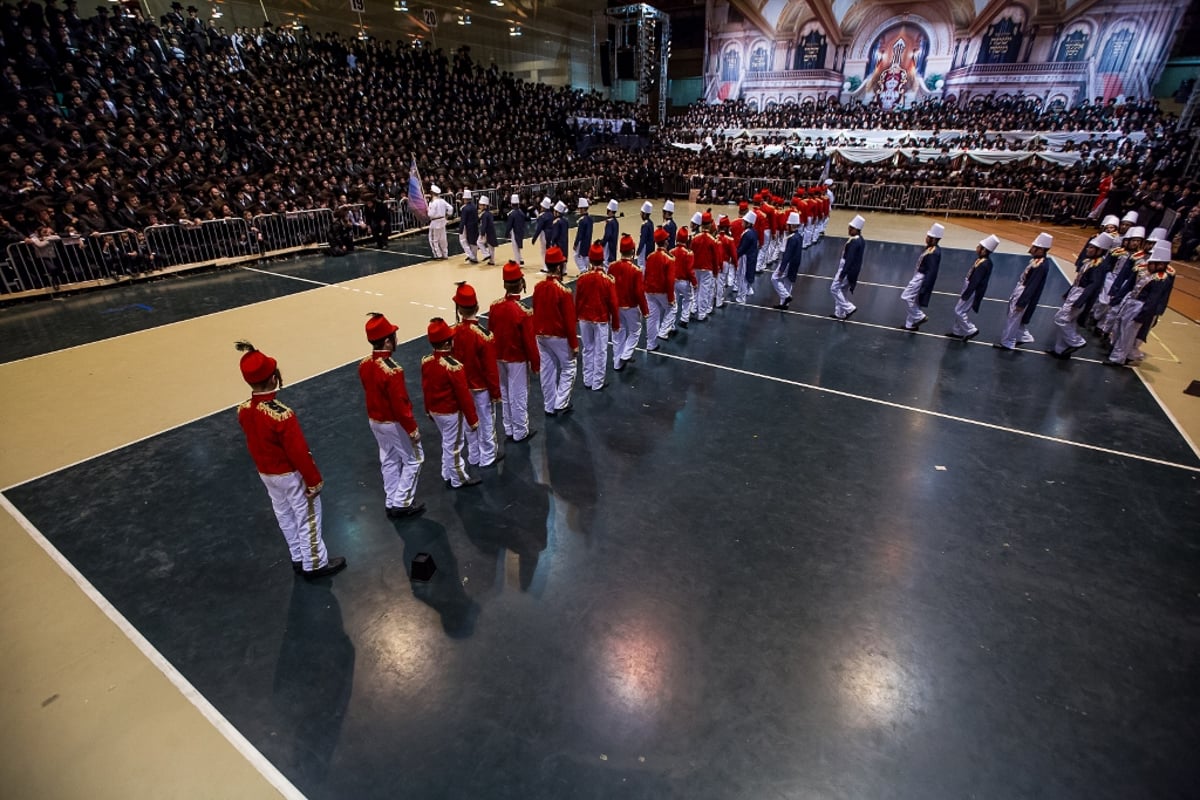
(400, 512)
(779, 307)
(1050, 351)
(1071, 350)
(297, 567)
(617, 367)
(787, 301)
(921, 322)
(906, 328)
(551, 413)
(334, 566)
(970, 336)
(567, 409)
(683, 323)
(508, 437)
(526, 437)
(600, 388)
(850, 313)
(472, 480)
(1108, 362)
(999, 346)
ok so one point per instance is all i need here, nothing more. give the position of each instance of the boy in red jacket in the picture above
(596, 305)
(516, 353)
(558, 340)
(448, 402)
(475, 349)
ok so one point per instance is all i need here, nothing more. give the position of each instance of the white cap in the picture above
(750, 218)
(1161, 252)
(793, 218)
(858, 222)
(515, 200)
(647, 208)
(1158, 234)
(483, 200)
(546, 203)
(1130, 216)
(1044, 240)
(669, 206)
(697, 218)
(1103, 241)
(466, 194)
(936, 230)
(583, 203)
(829, 181)
(1136, 232)
(434, 188)
(990, 243)
(1111, 219)
(612, 205)
(560, 207)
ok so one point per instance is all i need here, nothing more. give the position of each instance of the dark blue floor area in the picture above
(701, 584)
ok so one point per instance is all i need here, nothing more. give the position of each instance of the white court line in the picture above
(899, 329)
(928, 412)
(289, 277)
(1167, 411)
(890, 286)
(240, 743)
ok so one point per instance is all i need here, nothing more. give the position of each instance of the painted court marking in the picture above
(928, 412)
(240, 743)
(890, 286)
(310, 280)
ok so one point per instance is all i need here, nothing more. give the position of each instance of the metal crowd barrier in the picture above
(1048, 205)
(210, 242)
(75, 261)
(293, 229)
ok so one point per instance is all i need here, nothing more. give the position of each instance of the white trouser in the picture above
(683, 301)
(723, 284)
(469, 247)
(558, 372)
(962, 323)
(742, 281)
(488, 251)
(1068, 333)
(656, 320)
(542, 243)
(641, 261)
(452, 428)
(625, 340)
(299, 518)
(910, 294)
(763, 249)
(705, 292)
(437, 238)
(783, 287)
(481, 442)
(516, 248)
(1014, 329)
(1126, 329)
(593, 338)
(840, 286)
(400, 461)
(514, 398)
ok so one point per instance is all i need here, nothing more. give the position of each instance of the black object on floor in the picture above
(423, 567)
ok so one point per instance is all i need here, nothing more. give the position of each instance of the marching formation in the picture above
(669, 278)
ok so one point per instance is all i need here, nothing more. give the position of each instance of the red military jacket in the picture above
(736, 228)
(762, 223)
(387, 396)
(596, 298)
(631, 290)
(728, 248)
(475, 349)
(705, 252)
(512, 329)
(660, 274)
(781, 219)
(275, 440)
(683, 265)
(444, 383)
(554, 311)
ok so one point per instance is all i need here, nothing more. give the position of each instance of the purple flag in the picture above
(416, 195)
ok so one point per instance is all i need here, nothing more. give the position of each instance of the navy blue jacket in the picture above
(542, 225)
(790, 260)
(516, 226)
(556, 234)
(1035, 282)
(977, 282)
(928, 266)
(469, 215)
(646, 240)
(852, 255)
(612, 233)
(748, 247)
(1091, 280)
(671, 228)
(487, 228)
(583, 235)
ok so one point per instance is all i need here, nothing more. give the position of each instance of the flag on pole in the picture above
(825, 172)
(416, 194)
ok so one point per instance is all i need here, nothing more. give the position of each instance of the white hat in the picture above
(546, 203)
(1161, 252)
(936, 230)
(1136, 232)
(1130, 216)
(434, 188)
(990, 243)
(560, 207)
(612, 205)
(697, 218)
(669, 206)
(1111, 219)
(515, 200)
(466, 194)
(1103, 241)
(829, 181)
(1044, 240)
(858, 222)
(647, 208)
(750, 218)
(583, 203)
(483, 200)
(793, 218)
(1158, 234)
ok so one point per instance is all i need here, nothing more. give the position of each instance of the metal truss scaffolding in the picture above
(647, 31)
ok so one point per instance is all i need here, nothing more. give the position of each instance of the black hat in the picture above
(193, 10)
(177, 4)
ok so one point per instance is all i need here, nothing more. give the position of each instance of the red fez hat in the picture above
(742, 206)
(465, 297)
(512, 271)
(758, 198)
(256, 365)
(596, 253)
(723, 221)
(660, 234)
(378, 327)
(439, 331)
(682, 235)
(554, 255)
(706, 218)
(627, 245)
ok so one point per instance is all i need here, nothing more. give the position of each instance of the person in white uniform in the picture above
(1089, 278)
(846, 278)
(439, 210)
(1023, 300)
(919, 291)
(974, 289)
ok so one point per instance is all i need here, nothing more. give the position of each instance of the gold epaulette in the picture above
(391, 366)
(451, 363)
(276, 410)
(427, 359)
(243, 406)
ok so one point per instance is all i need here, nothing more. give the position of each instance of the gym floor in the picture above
(782, 556)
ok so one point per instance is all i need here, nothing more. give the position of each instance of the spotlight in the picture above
(464, 19)
(514, 30)
(400, 5)
(497, 3)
